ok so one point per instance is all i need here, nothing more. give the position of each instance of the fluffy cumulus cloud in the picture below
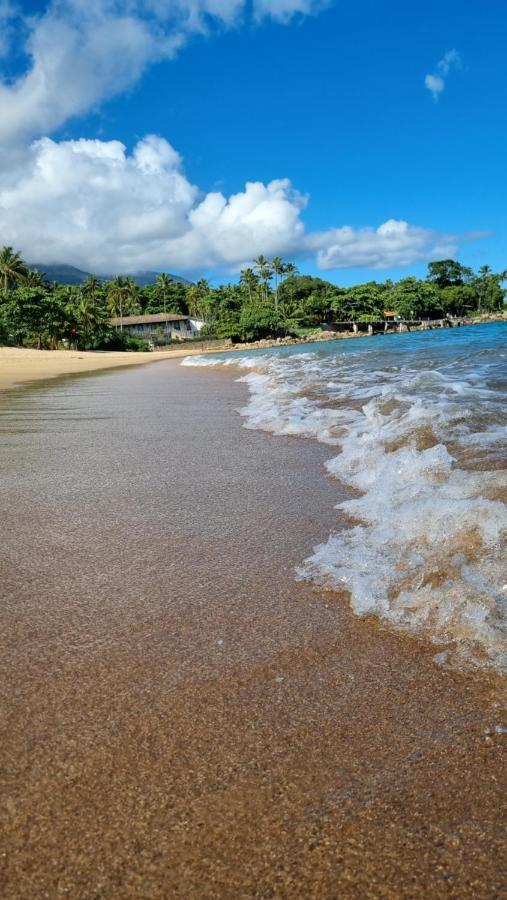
(395, 243)
(90, 203)
(83, 51)
(435, 81)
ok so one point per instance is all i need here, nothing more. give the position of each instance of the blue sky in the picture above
(334, 101)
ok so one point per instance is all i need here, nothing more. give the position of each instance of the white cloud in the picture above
(83, 51)
(435, 81)
(395, 243)
(435, 84)
(90, 203)
(87, 202)
(229, 233)
(284, 10)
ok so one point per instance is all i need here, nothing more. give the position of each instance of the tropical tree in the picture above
(490, 294)
(122, 297)
(481, 285)
(92, 287)
(34, 278)
(278, 268)
(264, 271)
(200, 300)
(89, 315)
(168, 294)
(249, 280)
(412, 298)
(69, 294)
(163, 287)
(289, 288)
(448, 273)
(290, 269)
(458, 299)
(35, 315)
(259, 320)
(13, 271)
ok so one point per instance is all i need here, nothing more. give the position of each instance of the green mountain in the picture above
(65, 274)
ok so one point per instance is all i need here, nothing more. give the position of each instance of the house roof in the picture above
(153, 319)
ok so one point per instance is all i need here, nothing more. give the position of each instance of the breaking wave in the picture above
(419, 425)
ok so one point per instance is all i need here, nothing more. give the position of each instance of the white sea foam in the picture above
(419, 440)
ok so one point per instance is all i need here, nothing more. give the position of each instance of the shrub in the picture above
(114, 339)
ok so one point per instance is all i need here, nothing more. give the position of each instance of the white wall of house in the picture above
(174, 330)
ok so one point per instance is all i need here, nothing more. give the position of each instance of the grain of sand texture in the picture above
(180, 718)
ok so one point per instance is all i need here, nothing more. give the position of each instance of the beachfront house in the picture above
(158, 327)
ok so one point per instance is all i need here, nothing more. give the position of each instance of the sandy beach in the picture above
(19, 365)
(180, 718)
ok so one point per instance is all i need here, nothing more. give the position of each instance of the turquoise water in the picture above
(418, 426)
(490, 336)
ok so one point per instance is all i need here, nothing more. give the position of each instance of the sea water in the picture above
(418, 426)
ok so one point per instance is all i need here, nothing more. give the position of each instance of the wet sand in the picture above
(19, 365)
(179, 717)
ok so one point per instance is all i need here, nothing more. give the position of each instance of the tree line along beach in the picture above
(271, 300)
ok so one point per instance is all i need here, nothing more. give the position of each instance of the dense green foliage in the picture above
(271, 299)
(34, 313)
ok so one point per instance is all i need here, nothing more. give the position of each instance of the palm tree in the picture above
(482, 285)
(202, 302)
(163, 287)
(278, 268)
(35, 279)
(89, 315)
(70, 293)
(13, 270)
(250, 280)
(264, 270)
(121, 297)
(92, 287)
(290, 269)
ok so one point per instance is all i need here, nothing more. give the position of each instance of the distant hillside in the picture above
(63, 274)
(70, 275)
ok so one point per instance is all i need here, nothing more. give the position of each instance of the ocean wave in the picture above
(419, 431)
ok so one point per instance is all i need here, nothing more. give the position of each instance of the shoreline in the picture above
(322, 336)
(21, 365)
(175, 686)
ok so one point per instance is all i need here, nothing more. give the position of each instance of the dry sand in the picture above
(19, 365)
